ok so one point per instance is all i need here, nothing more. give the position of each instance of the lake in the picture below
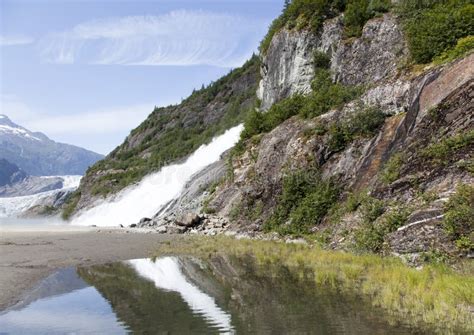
(172, 295)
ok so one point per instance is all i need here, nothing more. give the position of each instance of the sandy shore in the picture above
(28, 255)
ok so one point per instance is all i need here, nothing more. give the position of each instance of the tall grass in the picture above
(431, 297)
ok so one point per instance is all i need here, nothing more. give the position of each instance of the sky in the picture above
(87, 72)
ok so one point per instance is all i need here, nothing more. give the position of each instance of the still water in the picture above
(188, 296)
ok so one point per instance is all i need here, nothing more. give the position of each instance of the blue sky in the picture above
(87, 72)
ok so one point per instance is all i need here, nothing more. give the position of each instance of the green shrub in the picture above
(391, 169)
(433, 27)
(464, 243)
(365, 123)
(302, 14)
(459, 212)
(321, 60)
(443, 150)
(305, 199)
(463, 47)
(358, 12)
(377, 224)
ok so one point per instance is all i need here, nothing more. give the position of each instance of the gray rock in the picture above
(188, 220)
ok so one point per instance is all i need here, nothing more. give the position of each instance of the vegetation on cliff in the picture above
(310, 14)
(433, 27)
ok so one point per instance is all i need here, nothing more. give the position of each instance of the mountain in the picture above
(14, 182)
(37, 155)
(10, 173)
(363, 138)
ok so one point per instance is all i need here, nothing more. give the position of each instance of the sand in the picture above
(29, 255)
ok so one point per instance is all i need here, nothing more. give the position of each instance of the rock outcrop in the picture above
(421, 109)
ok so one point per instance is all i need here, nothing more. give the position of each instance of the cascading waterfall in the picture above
(166, 274)
(154, 191)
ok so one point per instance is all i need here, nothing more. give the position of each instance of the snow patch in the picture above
(17, 132)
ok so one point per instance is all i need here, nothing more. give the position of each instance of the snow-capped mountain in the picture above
(37, 155)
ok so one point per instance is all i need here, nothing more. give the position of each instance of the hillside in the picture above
(37, 155)
(363, 140)
(170, 134)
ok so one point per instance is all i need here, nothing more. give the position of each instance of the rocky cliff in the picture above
(356, 144)
(388, 188)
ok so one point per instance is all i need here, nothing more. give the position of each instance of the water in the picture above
(189, 296)
(156, 190)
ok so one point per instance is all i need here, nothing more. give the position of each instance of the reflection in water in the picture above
(188, 296)
(82, 311)
(166, 274)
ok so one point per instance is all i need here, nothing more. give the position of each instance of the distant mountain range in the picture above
(15, 182)
(37, 155)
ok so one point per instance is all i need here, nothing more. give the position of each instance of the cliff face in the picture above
(386, 172)
(287, 67)
(396, 167)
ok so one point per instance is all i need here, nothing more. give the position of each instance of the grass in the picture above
(434, 296)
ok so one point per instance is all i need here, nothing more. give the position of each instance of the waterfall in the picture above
(156, 190)
(166, 274)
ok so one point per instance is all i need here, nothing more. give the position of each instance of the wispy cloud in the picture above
(9, 40)
(178, 38)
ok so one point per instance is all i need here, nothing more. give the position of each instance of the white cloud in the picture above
(177, 38)
(14, 108)
(9, 40)
(104, 121)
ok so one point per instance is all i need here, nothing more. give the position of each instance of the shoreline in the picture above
(28, 255)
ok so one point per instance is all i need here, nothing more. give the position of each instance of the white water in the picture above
(12, 207)
(166, 274)
(153, 192)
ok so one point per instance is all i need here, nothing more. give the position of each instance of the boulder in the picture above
(188, 220)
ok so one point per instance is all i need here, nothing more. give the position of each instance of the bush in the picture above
(445, 149)
(463, 47)
(71, 204)
(305, 200)
(358, 12)
(391, 169)
(302, 14)
(365, 123)
(459, 212)
(433, 27)
(377, 225)
(321, 60)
